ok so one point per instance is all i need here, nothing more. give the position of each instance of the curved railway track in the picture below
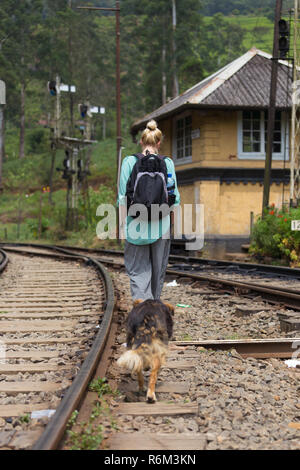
(212, 272)
(191, 263)
(243, 275)
(58, 311)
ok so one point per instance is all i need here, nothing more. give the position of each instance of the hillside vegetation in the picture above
(42, 38)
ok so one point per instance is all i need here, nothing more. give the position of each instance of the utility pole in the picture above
(272, 106)
(104, 127)
(57, 133)
(88, 127)
(2, 104)
(295, 137)
(74, 192)
(163, 67)
(175, 77)
(118, 87)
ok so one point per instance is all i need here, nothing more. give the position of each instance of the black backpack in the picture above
(147, 183)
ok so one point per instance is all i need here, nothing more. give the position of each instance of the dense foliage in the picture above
(274, 238)
(42, 38)
(243, 7)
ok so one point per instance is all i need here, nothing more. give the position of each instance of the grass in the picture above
(25, 418)
(186, 337)
(259, 31)
(101, 387)
(232, 337)
(88, 438)
(88, 435)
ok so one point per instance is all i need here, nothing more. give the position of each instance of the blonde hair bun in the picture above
(151, 135)
(152, 125)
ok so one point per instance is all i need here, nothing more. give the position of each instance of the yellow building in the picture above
(216, 134)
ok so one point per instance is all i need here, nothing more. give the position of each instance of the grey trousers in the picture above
(146, 267)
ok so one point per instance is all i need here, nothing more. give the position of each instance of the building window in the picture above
(252, 135)
(277, 139)
(251, 132)
(183, 138)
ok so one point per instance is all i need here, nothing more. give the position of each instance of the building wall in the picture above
(166, 128)
(227, 207)
(237, 201)
(217, 144)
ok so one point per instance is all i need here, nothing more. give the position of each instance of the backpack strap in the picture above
(138, 155)
(141, 155)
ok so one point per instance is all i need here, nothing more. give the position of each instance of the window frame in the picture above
(262, 155)
(184, 160)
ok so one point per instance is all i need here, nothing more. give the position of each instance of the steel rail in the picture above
(282, 348)
(263, 268)
(289, 297)
(272, 293)
(55, 429)
(63, 256)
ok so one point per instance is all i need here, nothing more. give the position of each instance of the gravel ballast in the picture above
(242, 403)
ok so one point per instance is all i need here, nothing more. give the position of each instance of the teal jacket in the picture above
(149, 232)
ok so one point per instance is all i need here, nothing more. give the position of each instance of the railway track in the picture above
(55, 320)
(212, 271)
(193, 263)
(214, 274)
(179, 419)
(215, 394)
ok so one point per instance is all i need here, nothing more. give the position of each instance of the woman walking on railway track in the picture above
(149, 179)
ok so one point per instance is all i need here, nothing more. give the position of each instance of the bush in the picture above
(33, 225)
(273, 236)
(37, 140)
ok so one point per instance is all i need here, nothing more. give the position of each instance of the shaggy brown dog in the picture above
(149, 327)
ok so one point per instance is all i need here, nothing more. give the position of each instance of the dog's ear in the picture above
(170, 307)
(137, 302)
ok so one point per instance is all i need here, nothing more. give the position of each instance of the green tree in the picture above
(21, 24)
(155, 33)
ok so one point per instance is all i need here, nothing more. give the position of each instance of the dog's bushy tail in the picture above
(131, 361)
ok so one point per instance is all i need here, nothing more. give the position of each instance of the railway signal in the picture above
(81, 172)
(55, 88)
(67, 172)
(85, 110)
(52, 88)
(284, 40)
